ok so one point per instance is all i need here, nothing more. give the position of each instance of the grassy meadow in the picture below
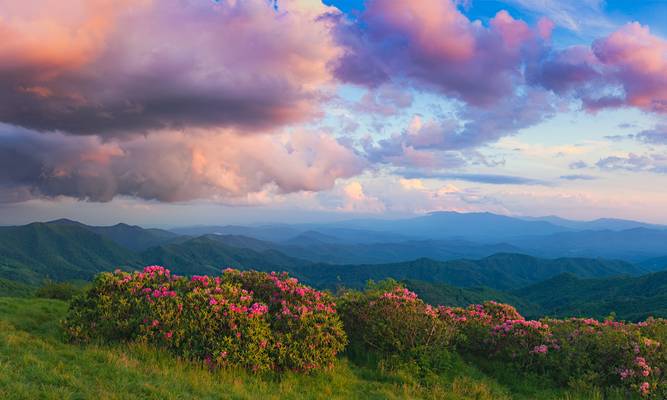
(37, 364)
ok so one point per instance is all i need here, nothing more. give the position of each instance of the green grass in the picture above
(15, 289)
(35, 363)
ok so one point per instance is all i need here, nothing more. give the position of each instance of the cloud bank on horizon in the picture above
(350, 106)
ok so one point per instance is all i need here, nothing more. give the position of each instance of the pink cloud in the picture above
(117, 68)
(172, 166)
(626, 68)
(432, 45)
(637, 60)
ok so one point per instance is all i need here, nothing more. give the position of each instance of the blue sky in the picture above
(332, 111)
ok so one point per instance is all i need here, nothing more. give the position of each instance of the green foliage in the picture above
(37, 363)
(572, 352)
(57, 290)
(249, 319)
(15, 289)
(389, 320)
(307, 332)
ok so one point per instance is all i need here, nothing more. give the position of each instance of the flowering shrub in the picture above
(248, 319)
(609, 353)
(521, 341)
(307, 333)
(393, 321)
(575, 350)
(265, 321)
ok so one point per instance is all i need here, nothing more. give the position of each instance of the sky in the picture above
(189, 112)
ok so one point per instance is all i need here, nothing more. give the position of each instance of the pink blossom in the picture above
(644, 388)
(258, 309)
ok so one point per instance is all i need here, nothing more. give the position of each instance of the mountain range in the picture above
(64, 249)
(544, 266)
(451, 235)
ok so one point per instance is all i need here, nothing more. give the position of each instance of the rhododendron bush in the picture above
(249, 319)
(263, 321)
(394, 322)
(575, 350)
(570, 352)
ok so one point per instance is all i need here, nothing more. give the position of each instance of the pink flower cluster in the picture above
(163, 291)
(518, 327)
(643, 366)
(295, 300)
(401, 294)
(258, 309)
(540, 349)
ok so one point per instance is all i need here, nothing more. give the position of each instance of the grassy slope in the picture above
(15, 289)
(37, 364)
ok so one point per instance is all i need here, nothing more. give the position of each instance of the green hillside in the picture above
(34, 252)
(631, 298)
(444, 294)
(208, 254)
(135, 238)
(500, 271)
(68, 250)
(14, 289)
(131, 237)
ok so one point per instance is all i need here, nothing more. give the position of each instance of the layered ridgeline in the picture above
(549, 237)
(500, 271)
(65, 250)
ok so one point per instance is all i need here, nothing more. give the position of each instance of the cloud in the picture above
(578, 165)
(578, 177)
(450, 141)
(626, 68)
(432, 45)
(638, 61)
(412, 184)
(400, 195)
(619, 138)
(492, 179)
(498, 70)
(386, 100)
(657, 135)
(568, 70)
(656, 163)
(356, 200)
(115, 68)
(171, 166)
